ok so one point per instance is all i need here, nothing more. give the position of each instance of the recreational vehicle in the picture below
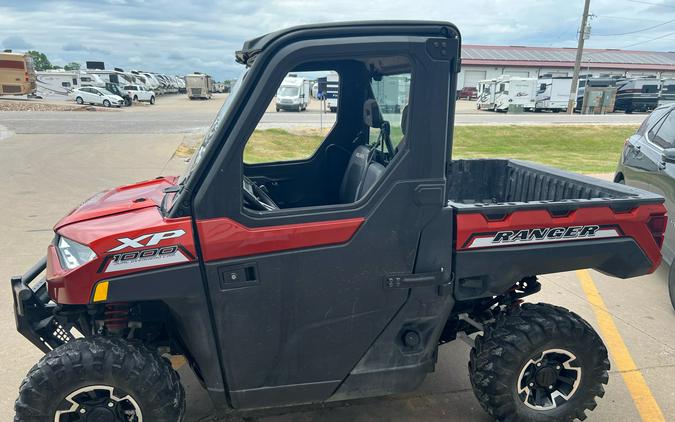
(17, 74)
(332, 91)
(486, 94)
(515, 91)
(114, 76)
(553, 93)
(293, 94)
(388, 93)
(640, 94)
(667, 92)
(197, 86)
(57, 84)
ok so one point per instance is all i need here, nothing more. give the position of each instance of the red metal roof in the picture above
(499, 55)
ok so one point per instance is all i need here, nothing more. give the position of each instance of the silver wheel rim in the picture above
(131, 410)
(542, 391)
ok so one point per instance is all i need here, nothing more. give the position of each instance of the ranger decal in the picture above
(541, 235)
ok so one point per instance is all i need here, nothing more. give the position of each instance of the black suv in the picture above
(648, 162)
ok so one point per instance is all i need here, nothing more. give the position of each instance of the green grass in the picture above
(585, 149)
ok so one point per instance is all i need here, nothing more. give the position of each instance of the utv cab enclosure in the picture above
(335, 275)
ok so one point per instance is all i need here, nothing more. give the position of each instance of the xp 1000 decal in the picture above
(140, 256)
(540, 235)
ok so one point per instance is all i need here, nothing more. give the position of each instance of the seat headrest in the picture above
(371, 114)
(404, 119)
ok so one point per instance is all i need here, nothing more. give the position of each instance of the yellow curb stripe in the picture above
(637, 386)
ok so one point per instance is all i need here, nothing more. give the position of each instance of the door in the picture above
(662, 178)
(641, 157)
(299, 294)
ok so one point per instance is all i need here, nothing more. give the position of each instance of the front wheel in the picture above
(106, 103)
(152, 100)
(538, 362)
(101, 379)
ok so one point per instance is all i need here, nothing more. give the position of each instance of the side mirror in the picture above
(668, 155)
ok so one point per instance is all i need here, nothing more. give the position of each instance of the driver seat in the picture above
(362, 173)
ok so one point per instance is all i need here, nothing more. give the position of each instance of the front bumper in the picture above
(34, 310)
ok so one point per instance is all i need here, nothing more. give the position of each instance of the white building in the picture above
(480, 62)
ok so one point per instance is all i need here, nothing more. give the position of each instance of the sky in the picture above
(178, 37)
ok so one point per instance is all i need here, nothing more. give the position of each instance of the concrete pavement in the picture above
(177, 114)
(46, 172)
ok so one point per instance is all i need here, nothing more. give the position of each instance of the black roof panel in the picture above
(355, 28)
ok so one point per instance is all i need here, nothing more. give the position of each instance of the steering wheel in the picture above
(256, 198)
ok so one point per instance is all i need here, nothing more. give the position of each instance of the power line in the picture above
(652, 39)
(651, 3)
(635, 32)
(627, 18)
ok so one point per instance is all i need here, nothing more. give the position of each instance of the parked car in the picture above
(96, 96)
(648, 162)
(138, 93)
(467, 93)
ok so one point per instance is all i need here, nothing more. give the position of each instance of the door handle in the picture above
(236, 276)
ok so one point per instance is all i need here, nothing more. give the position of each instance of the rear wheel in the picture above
(79, 100)
(152, 100)
(136, 98)
(101, 379)
(538, 363)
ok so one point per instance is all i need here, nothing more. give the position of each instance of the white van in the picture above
(553, 93)
(293, 94)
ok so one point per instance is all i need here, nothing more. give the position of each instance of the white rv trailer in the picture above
(553, 93)
(511, 90)
(113, 76)
(154, 82)
(57, 84)
(293, 94)
(486, 94)
(197, 86)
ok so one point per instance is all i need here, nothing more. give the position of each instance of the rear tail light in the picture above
(657, 226)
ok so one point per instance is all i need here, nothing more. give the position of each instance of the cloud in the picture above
(16, 43)
(81, 48)
(180, 37)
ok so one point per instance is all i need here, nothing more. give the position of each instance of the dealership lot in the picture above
(51, 161)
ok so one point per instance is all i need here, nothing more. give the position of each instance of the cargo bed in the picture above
(526, 219)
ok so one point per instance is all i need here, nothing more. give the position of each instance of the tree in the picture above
(40, 61)
(72, 66)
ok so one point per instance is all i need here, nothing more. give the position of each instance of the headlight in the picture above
(73, 254)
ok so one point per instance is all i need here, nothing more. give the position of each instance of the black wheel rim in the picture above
(100, 403)
(549, 380)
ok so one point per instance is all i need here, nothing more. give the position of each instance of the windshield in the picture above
(213, 129)
(287, 91)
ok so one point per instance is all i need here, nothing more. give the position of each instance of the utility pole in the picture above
(577, 62)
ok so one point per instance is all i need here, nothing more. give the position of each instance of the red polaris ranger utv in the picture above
(336, 274)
